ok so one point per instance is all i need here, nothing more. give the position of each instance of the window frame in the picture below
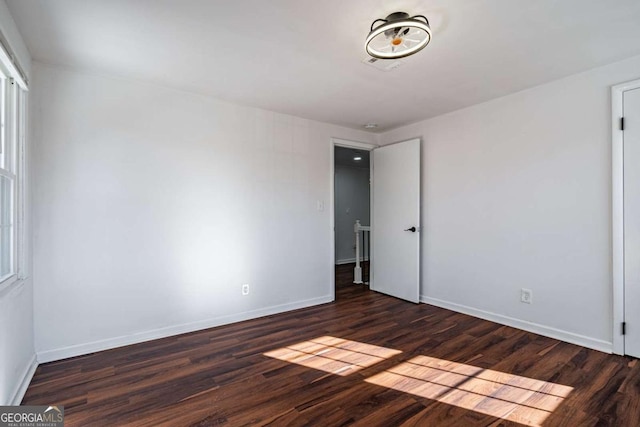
(13, 98)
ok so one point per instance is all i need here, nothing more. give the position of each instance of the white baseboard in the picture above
(27, 375)
(581, 340)
(107, 344)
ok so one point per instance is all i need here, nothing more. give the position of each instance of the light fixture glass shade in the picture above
(398, 36)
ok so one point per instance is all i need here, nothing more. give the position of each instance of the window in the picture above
(12, 132)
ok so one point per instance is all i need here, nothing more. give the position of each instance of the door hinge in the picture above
(624, 328)
(621, 123)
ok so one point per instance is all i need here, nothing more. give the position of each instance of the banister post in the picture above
(357, 271)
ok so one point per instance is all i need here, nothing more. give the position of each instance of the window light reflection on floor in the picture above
(334, 355)
(511, 397)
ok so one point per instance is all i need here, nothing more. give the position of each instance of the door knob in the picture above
(412, 229)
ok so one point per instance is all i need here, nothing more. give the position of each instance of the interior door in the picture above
(395, 220)
(631, 135)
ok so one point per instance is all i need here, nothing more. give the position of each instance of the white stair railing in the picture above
(360, 230)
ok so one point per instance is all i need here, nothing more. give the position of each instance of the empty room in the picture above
(319, 213)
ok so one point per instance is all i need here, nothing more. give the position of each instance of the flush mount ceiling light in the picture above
(398, 36)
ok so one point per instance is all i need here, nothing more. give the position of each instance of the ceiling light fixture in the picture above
(398, 36)
(357, 159)
(371, 126)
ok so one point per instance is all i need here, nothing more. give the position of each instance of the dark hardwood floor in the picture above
(367, 360)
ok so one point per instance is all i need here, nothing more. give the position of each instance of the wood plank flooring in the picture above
(365, 360)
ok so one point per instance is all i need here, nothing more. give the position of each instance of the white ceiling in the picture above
(303, 57)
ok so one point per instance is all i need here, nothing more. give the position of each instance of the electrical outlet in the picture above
(245, 289)
(526, 296)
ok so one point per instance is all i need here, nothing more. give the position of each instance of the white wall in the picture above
(153, 206)
(352, 194)
(17, 354)
(517, 194)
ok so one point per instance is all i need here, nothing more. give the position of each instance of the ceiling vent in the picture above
(383, 64)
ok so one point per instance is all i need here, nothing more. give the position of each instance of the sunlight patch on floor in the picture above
(334, 355)
(511, 397)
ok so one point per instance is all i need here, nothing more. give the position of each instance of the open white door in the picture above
(395, 220)
(631, 100)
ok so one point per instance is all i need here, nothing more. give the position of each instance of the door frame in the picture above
(617, 210)
(337, 142)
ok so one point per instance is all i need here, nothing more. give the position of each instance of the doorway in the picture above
(394, 212)
(352, 217)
